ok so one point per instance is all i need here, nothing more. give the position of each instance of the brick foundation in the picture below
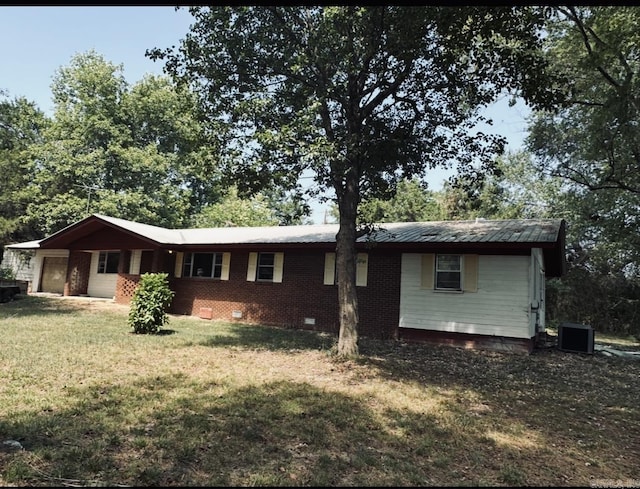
(463, 340)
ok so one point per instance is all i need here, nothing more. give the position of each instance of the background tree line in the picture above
(368, 109)
(138, 152)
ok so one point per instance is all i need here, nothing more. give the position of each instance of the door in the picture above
(54, 273)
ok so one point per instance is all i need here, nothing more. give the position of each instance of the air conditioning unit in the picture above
(577, 338)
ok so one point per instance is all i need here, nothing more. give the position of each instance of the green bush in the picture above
(609, 302)
(149, 304)
(6, 273)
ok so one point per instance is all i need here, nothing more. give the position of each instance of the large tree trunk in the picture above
(346, 271)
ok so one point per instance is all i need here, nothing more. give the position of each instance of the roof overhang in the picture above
(26, 245)
(95, 233)
(98, 232)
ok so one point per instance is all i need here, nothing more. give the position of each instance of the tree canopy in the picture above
(21, 126)
(593, 140)
(233, 211)
(132, 152)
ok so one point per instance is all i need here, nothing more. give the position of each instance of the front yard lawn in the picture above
(211, 403)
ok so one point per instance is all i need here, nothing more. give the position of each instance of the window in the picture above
(435, 278)
(448, 272)
(441, 272)
(207, 265)
(362, 265)
(265, 267)
(108, 261)
(266, 264)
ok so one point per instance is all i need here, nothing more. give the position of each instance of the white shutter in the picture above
(251, 268)
(277, 267)
(329, 268)
(362, 265)
(226, 260)
(177, 272)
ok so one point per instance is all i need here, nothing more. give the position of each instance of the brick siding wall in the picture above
(379, 301)
(125, 287)
(300, 295)
(78, 268)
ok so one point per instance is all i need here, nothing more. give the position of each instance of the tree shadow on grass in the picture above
(585, 400)
(172, 431)
(269, 338)
(277, 434)
(493, 424)
(35, 306)
(161, 332)
(531, 389)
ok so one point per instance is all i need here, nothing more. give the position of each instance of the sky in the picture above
(39, 40)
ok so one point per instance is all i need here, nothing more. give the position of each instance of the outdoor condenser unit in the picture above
(578, 338)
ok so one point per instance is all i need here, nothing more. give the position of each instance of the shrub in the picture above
(149, 304)
(7, 273)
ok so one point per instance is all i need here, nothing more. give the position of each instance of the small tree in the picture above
(149, 304)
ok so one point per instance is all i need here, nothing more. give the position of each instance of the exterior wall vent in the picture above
(206, 313)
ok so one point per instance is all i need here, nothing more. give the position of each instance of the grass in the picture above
(217, 404)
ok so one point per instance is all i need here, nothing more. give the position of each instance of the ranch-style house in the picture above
(472, 283)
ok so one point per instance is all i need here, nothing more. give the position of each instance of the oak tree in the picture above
(592, 141)
(359, 97)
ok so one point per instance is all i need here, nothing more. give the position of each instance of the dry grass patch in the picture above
(213, 403)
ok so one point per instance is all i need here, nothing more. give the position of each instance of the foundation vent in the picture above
(206, 313)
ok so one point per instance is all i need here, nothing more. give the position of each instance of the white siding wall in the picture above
(101, 284)
(499, 307)
(39, 261)
(22, 262)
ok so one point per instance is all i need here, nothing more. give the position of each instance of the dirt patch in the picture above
(87, 303)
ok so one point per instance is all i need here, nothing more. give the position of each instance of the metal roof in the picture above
(476, 231)
(26, 245)
(155, 233)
